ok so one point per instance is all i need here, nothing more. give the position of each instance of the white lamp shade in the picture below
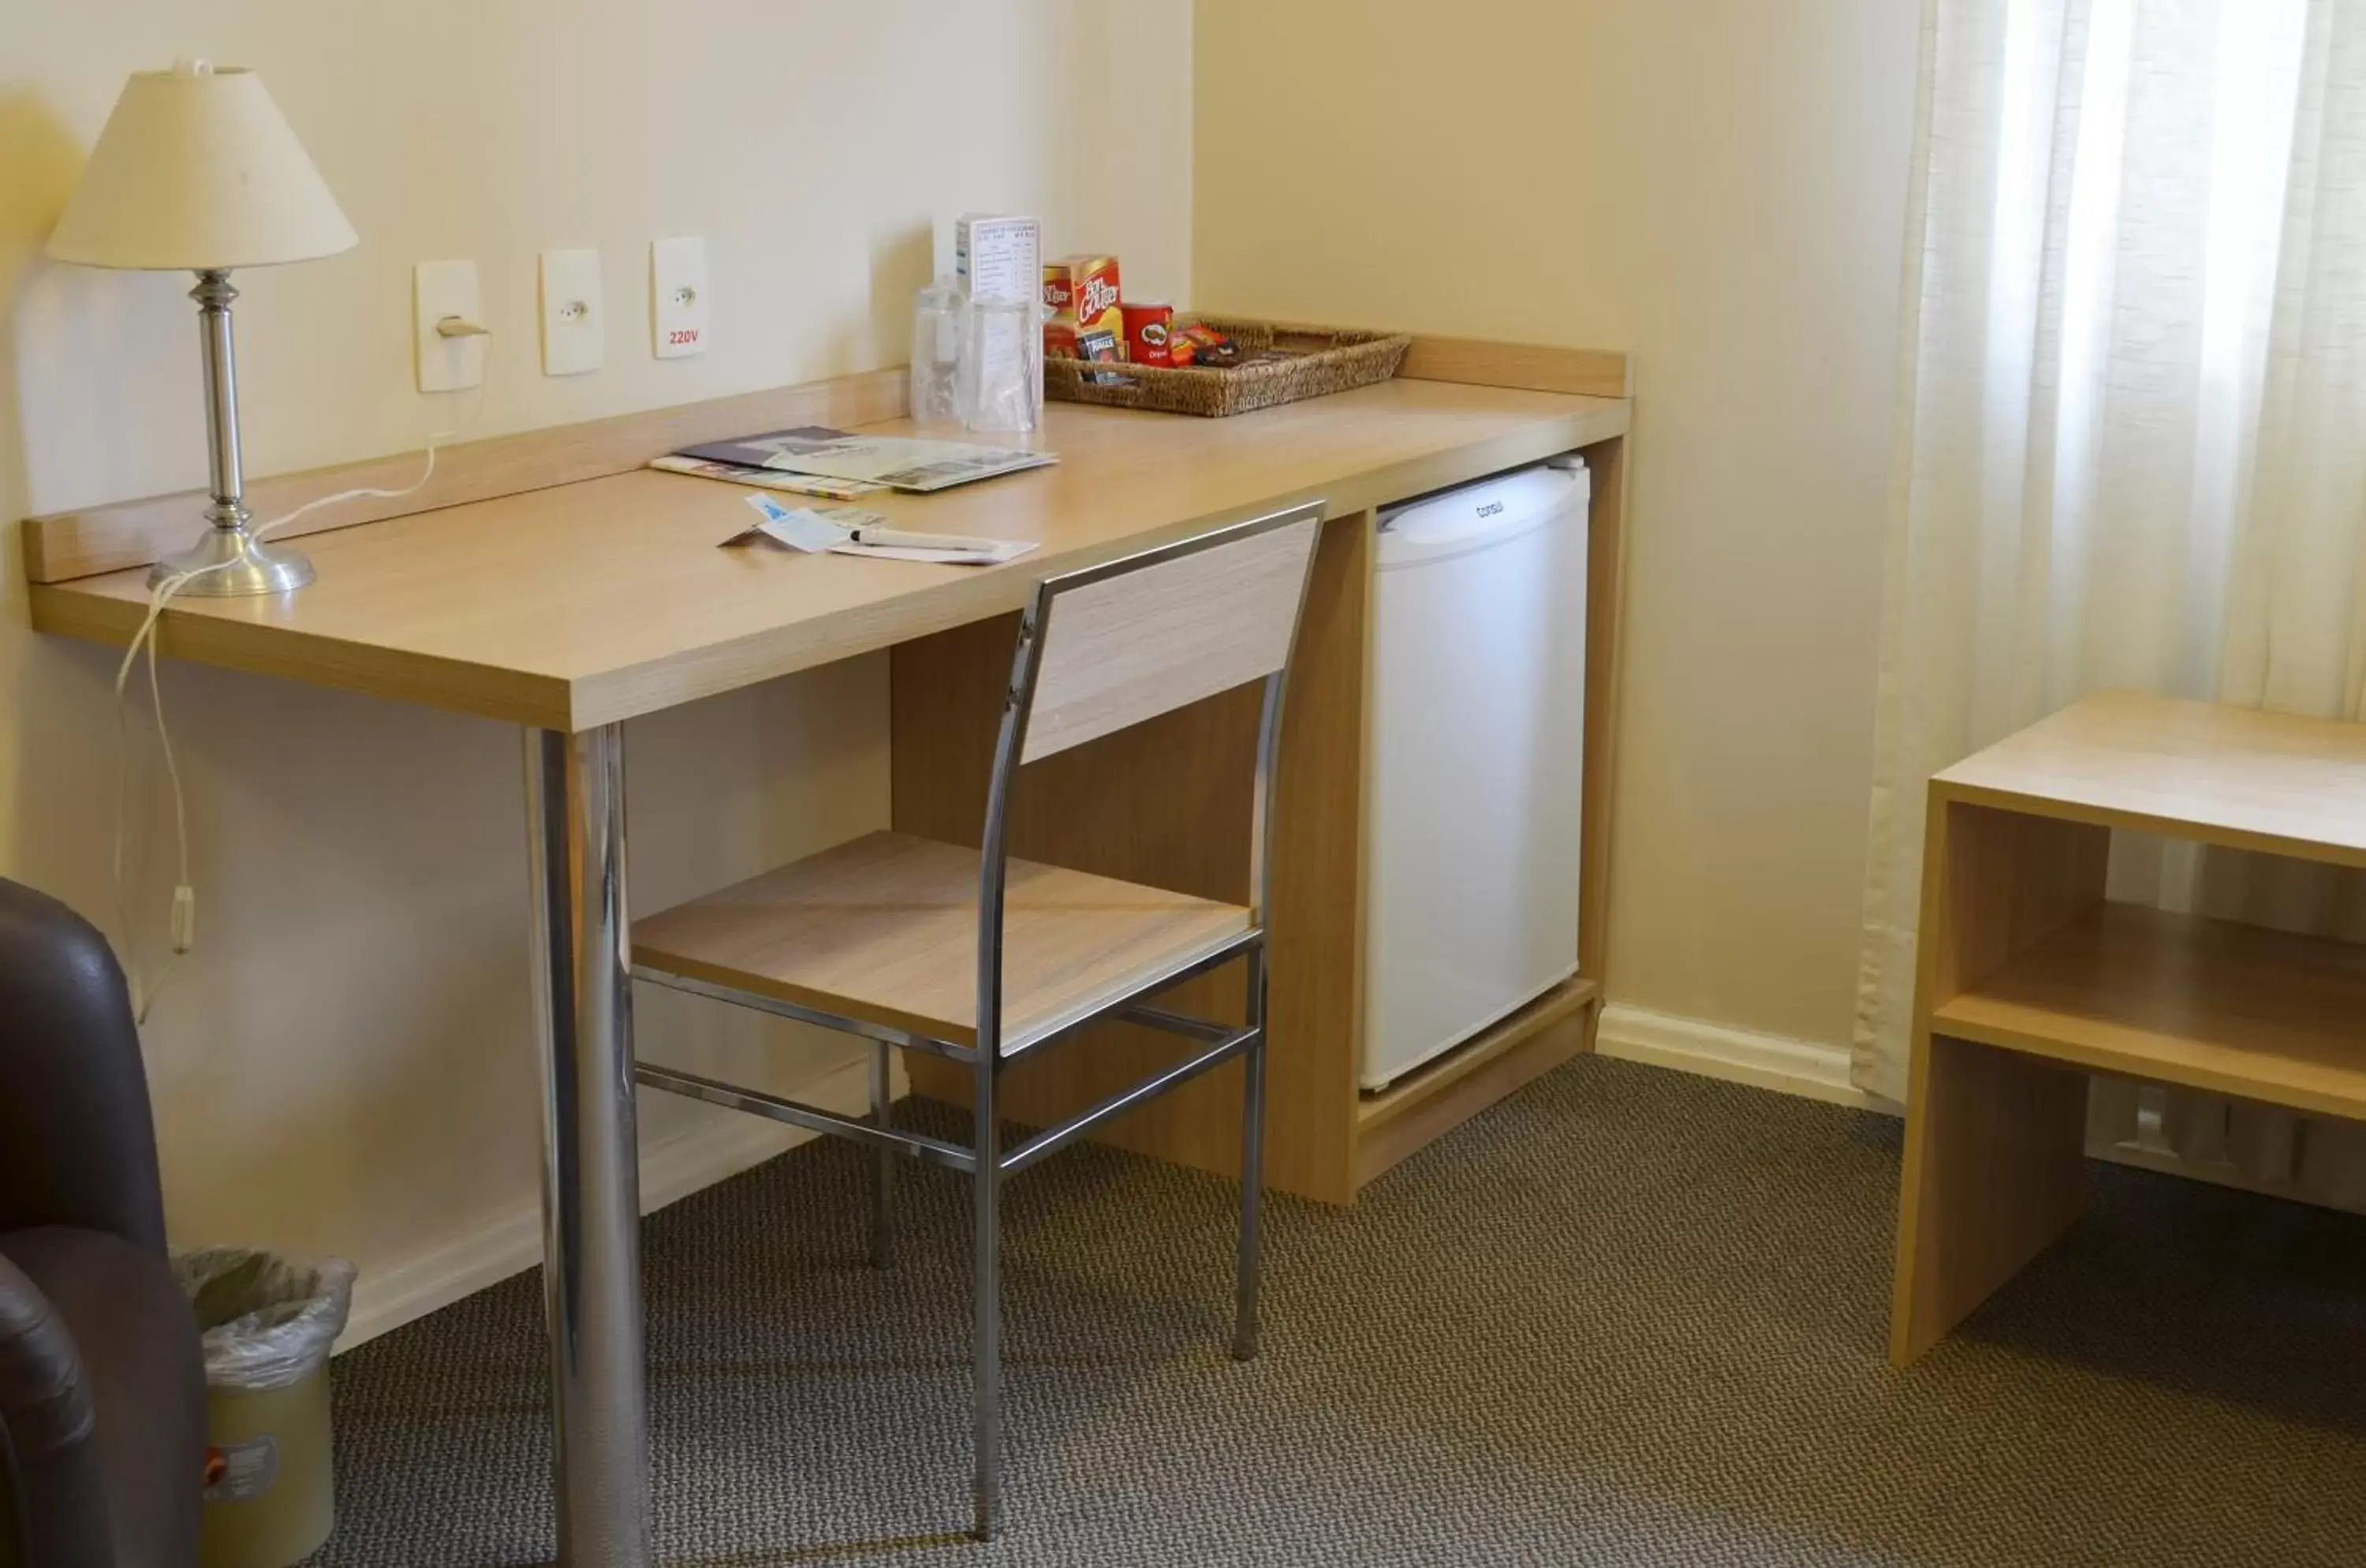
(197, 169)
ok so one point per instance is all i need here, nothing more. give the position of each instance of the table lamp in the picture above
(198, 171)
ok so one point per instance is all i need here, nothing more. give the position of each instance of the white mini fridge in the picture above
(1478, 760)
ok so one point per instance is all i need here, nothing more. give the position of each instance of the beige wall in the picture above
(345, 1064)
(1718, 186)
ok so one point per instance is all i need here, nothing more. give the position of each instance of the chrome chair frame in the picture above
(986, 1162)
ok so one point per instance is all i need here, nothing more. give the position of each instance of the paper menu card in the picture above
(998, 258)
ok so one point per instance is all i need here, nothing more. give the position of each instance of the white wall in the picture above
(1718, 186)
(345, 1064)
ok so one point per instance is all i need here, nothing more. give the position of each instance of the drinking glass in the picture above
(1000, 379)
(936, 350)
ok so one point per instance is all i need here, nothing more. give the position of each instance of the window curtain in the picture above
(2131, 449)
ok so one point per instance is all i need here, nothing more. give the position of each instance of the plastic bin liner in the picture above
(267, 1320)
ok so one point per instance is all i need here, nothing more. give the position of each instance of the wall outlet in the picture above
(446, 291)
(574, 316)
(678, 303)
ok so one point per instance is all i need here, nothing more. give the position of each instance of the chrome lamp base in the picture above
(229, 562)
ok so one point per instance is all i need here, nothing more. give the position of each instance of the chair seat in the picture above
(884, 929)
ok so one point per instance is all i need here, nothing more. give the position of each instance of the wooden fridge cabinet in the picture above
(1167, 804)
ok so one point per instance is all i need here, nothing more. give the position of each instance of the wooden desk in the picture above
(2028, 981)
(548, 580)
(584, 604)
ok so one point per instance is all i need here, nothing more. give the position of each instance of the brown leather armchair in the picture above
(102, 1386)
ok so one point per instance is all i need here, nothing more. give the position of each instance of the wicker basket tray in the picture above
(1280, 364)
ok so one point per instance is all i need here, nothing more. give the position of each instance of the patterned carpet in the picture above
(1626, 1317)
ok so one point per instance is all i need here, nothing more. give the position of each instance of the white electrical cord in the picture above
(184, 896)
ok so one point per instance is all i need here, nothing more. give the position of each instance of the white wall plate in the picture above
(438, 290)
(574, 316)
(677, 297)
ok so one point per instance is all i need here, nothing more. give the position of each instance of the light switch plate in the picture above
(574, 317)
(678, 301)
(439, 290)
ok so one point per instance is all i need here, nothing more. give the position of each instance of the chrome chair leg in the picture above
(882, 1166)
(1244, 1302)
(985, 1339)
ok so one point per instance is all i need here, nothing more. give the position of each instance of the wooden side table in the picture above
(2028, 981)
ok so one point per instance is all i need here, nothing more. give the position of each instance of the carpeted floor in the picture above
(1626, 1317)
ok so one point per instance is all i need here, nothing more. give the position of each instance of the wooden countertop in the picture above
(588, 603)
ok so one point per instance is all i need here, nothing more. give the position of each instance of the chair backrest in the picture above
(1124, 642)
(1104, 648)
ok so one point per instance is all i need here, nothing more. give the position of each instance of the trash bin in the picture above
(268, 1322)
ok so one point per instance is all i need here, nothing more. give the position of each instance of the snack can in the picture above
(1146, 332)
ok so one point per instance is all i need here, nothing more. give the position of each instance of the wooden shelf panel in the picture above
(2210, 1005)
(2224, 775)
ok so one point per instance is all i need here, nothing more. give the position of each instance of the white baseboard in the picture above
(1822, 1072)
(1803, 1067)
(696, 1158)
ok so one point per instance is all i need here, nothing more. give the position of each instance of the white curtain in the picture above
(2131, 445)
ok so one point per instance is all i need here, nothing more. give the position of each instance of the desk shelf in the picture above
(2209, 1005)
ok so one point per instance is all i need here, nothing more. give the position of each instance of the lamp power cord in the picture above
(183, 927)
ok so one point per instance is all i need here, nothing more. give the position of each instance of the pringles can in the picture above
(1146, 331)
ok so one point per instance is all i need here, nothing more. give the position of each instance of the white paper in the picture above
(832, 529)
(802, 527)
(988, 552)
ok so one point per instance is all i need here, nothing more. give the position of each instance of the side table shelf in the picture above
(2029, 981)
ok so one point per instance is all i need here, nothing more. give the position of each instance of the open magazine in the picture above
(900, 462)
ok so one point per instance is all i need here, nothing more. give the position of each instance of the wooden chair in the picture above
(927, 946)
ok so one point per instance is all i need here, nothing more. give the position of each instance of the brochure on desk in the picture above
(902, 462)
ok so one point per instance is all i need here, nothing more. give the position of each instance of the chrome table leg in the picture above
(590, 1176)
